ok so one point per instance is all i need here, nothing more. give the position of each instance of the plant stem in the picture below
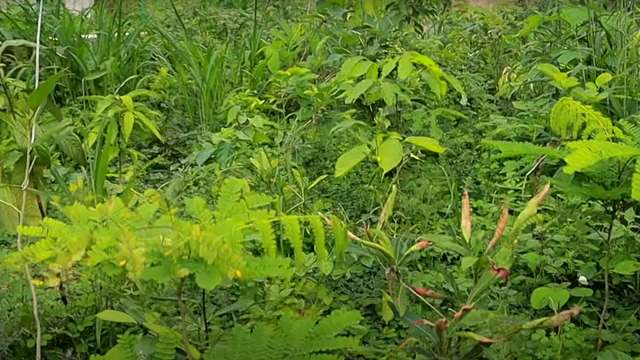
(605, 305)
(204, 314)
(182, 309)
(28, 166)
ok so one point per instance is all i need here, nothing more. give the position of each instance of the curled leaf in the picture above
(502, 225)
(463, 311)
(465, 218)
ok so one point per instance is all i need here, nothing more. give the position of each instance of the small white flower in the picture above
(583, 280)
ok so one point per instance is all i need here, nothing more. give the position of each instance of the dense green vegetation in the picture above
(337, 179)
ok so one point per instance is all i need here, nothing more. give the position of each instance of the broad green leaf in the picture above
(360, 69)
(574, 15)
(603, 79)
(39, 96)
(347, 67)
(581, 292)
(350, 159)
(444, 242)
(389, 155)
(426, 143)
(128, 119)
(388, 66)
(208, 277)
(116, 316)
(467, 262)
(554, 297)
(390, 91)
(405, 66)
(626, 267)
(127, 101)
(353, 93)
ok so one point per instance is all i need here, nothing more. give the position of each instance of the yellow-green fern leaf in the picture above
(587, 153)
(341, 240)
(268, 238)
(320, 244)
(635, 182)
(572, 119)
(294, 235)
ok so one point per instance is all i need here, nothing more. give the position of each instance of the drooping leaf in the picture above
(426, 143)
(39, 96)
(116, 316)
(354, 92)
(350, 159)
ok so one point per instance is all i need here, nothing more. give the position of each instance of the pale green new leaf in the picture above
(390, 155)
(350, 159)
(426, 143)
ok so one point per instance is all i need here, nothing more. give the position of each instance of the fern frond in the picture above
(229, 197)
(572, 119)
(512, 149)
(267, 237)
(632, 129)
(320, 244)
(635, 182)
(165, 347)
(124, 350)
(586, 153)
(294, 235)
(341, 240)
(291, 338)
(335, 323)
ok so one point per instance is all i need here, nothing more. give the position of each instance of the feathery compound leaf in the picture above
(341, 238)
(268, 238)
(229, 198)
(294, 235)
(290, 338)
(586, 153)
(632, 129)
(572, 120)
(635, 182)
(512, 149)
(320, 244)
